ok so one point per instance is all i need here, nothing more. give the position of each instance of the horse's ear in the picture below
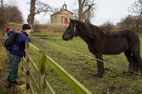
(71, 20)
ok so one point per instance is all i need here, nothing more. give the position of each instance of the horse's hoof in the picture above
(98, 75)
(141, 71)
(128, 73)
(107, 69)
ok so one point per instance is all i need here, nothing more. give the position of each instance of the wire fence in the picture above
(91, 57)
(42, 86)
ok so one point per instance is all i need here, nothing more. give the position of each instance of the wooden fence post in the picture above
(27, 68)
(42, 82)
(47, 48)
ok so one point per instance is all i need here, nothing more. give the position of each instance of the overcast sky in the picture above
(112, 10)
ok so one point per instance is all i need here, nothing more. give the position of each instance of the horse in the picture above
(107, 43)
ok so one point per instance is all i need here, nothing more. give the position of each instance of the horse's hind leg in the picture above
(138, 59)
(132, 66)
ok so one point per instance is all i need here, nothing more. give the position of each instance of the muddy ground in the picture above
(4, 69)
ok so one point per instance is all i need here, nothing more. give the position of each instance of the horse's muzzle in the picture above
(65, 37)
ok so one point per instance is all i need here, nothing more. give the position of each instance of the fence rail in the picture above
(91, 57)
(41, 85)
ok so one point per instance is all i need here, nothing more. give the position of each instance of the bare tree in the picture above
(2, 21)
(89, 15)
(54, 10)
(136, 10)
(37, 7)
(1, 3)
(108, 26)
(32, 12)
(85, 10)
(10, 14)
(13, 14)
(126, 22)
(42, 8)
(75, 11)
(131, 22)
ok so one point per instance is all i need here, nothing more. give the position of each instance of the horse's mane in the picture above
(94, 27)
(89, 28)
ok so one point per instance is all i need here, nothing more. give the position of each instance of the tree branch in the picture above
(88, 9)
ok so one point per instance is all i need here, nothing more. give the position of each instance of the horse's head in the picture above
(71, 30)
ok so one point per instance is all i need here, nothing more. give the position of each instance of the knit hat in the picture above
(26, 27)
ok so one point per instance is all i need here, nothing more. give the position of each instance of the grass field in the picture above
(3, 60)
(84, 68)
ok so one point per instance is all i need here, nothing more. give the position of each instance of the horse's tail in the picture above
(141, 66)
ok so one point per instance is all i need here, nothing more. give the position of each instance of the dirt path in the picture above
(3, 82)
(4, 69)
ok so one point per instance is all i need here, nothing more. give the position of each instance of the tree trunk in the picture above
(85, 7)
(1, 3)
(32, 13)
(80, 10)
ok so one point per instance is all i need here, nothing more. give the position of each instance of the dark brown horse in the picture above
(100, 43)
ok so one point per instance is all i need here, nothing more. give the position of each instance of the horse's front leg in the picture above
(100, 65)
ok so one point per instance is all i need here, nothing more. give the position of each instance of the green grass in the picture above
(84, 68)
(3, 60)
(3, 57)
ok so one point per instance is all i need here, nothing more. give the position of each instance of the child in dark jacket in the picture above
(15, 55)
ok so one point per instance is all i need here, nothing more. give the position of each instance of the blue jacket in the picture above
(20, 43)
